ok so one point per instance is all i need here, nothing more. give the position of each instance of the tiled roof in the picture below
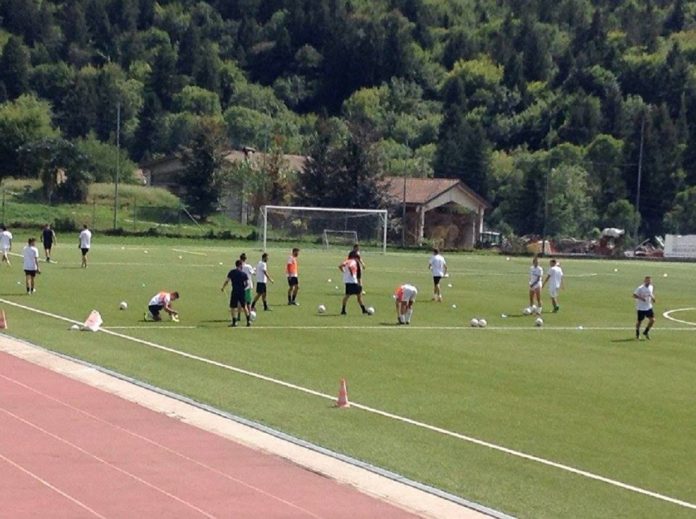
(421, 190)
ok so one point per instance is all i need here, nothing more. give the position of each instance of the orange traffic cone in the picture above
(343, 395)
(3, 320)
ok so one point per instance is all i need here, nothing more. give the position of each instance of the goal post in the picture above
(316, 224)
(344, 237)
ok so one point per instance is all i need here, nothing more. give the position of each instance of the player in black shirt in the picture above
(48, 238)
(238, 279)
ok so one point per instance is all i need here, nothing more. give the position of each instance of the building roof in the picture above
(420, 191)
(294, 162)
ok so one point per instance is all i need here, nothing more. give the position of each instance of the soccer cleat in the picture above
(556, 309)
(343, 312)
(646, 334)
(248, 323)
(637, 334)
(294, 303)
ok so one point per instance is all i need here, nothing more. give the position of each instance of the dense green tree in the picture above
(681, 218)
(102, 160)
(52, 158)
(15, 68)
(203, 163)
(24, 120)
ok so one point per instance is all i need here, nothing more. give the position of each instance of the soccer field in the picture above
(572, 419)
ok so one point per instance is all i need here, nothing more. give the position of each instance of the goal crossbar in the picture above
(382, 213)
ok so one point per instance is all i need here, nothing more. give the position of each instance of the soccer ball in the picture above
(539, 322)
(474, 323)
(75, 327)
(252, 315)
(482, 323)
(527, 311)
(370, 310)
(123, 305)
(534, 309)
(321, 309)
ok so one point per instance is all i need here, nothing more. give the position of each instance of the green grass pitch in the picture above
(591, 398)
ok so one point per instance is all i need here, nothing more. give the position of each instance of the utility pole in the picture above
(640, 178)
(546, 210)
(403, 217)
(118, 159)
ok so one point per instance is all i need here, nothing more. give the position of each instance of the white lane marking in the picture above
(158, 445)
(145, 327)
(386, 414)
(668, 315)
(530, 327)
(190, 252)
(52, 487)
(105, 462)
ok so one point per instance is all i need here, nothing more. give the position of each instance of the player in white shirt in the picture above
(536, 273)
(644, 306)
(5, 244)
(405, 297)
(85, 242)
(438, 266)
(249, 270)
(350, 269)
(31, 264)
(555, 280)
(162, 301)
(262, 278)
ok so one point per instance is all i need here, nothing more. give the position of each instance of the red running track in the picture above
(68, 450)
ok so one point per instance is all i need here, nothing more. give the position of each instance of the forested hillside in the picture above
(573, 102)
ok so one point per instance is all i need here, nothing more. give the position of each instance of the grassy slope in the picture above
(593, 399)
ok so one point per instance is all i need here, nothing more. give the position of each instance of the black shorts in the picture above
(31, 273)
(48, 244)
(155, 309)
(260, 288)
(84, 251)
(353, 289)
(293, 281)
(436, 280)
(237, 299)
(642, 314)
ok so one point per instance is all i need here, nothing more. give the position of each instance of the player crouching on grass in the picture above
(644, 306)
(350, 269)
(239, 279)
(405, 297)
(159, 302)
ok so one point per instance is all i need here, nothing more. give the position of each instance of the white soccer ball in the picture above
(321, 309)
(538, 310)
(527, 311)
(539, 322)
(370, 310)
(483, 323)
(75, 327)
(534, 309)
(252, 315)
(123, 305)
(474, 323)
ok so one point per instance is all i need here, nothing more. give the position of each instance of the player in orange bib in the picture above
(291, 270)
(405, 296)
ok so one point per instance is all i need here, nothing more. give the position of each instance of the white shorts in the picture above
(535, 287)
(4, 250)
(408, 295)
(553, 291)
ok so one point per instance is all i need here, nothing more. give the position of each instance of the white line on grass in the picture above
(379, 412)
(531, 327)
(668, 315)
(146, 327)
(190, 252)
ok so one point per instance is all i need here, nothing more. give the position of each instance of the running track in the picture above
(69, 450)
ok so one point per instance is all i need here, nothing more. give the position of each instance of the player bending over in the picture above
(644, 306)
(405, 297)
(162, 301)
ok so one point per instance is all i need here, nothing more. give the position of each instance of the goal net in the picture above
(325, 226)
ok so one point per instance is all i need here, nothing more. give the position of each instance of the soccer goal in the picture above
(326, 226)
